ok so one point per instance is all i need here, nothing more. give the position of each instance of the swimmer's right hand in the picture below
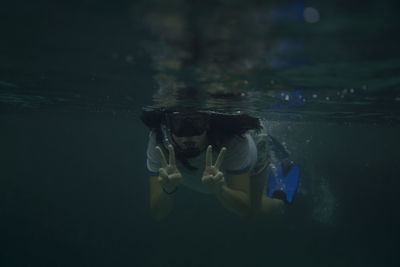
(169, 175)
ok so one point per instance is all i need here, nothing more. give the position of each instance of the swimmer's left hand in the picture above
(213, 178)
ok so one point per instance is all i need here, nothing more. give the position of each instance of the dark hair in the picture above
(222, 125)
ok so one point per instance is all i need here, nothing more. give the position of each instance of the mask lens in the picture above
(188, 124)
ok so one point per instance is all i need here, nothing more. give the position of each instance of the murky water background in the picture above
(74, 75)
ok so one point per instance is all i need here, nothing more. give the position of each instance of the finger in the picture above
(209, 156)
(220, 158)
(162, 157)
(175, 178)
(171, 155)
(206, 179)
(163, 173)
(164, 181)
(214, 179)
(218, 177)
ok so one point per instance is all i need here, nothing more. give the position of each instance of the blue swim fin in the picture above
(283, 186)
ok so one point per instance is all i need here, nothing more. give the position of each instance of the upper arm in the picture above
(240, 182)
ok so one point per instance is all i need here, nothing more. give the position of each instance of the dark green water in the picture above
(74, 75)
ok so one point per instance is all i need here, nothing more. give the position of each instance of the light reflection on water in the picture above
(278, 61)
(342, 105)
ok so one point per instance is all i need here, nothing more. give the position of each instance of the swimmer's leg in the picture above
(271, 205)
(262, 204)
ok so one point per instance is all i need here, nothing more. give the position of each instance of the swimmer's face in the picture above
(191, 142)
(189, 130)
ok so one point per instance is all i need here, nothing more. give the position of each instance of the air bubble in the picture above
(311, 15)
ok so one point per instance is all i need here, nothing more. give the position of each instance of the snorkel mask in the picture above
(184, 124)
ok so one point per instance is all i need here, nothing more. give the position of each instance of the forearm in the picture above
(234, 200)
(161, 204)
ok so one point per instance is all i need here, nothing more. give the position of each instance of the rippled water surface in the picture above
(341, 63)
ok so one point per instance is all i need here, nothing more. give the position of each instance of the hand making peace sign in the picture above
(213, 178)
(169, 175)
